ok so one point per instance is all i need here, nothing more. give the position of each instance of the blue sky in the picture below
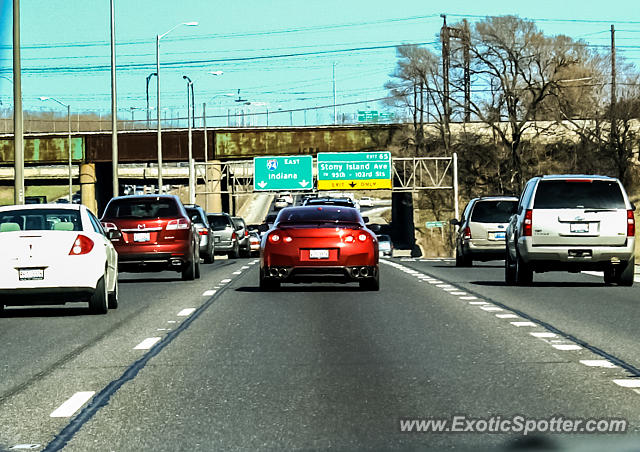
(75, 34)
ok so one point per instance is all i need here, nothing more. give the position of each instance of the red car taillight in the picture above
(631, 224)
(81, 245)
(246, 233)
(274, 238)
(203, 232)
(109, 226)
(467, 233)
(349, 239)
(527, 226)
(277, 237)
(233, 236)
(362, 237)
(175, 225)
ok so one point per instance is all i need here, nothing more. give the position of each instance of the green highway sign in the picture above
(283, 173)
(354, 170)
(435, 224)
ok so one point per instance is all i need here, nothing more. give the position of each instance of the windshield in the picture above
(40, 220)
(493, 211)
(142, 208)
(319, 215)
(218, 222)
(579, 194)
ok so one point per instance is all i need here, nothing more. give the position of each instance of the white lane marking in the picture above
(519, 324)
(458, 293)
(244, 267)
(628, 383)
(186, 312)
(208, 293)
(172, 321)
(73, 404)
(449, 289)
(566, 347)
(491, 308)
(598, 363)
(469, 298)
(225, 281)
(478, 302)
(237, 273)
(163, 329)
(25, 447)
(599, 274)
(147, 343)
(507, 316)
(442, 286)
(543, 334)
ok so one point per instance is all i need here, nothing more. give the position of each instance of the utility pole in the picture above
(465, 36)
(335, 115)
(445, 38)
(114, 105)
(612, 109)
(206, 157)
(18, 131)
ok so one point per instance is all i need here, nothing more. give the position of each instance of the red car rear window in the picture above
(142, 208)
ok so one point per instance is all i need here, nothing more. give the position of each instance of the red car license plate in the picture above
(318, 254)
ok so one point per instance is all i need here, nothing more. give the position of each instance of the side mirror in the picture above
(113, 234)
(365, 219)
(375, 228)
(454, 222)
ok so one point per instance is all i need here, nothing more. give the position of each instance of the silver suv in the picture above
(481, 230)
(572, 223)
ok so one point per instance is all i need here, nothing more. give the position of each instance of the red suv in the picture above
(154, 233)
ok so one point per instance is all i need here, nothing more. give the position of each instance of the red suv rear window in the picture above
(142, 208)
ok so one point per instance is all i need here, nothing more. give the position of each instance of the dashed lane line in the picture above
(186, 312)
(73, 404)
(147, 343)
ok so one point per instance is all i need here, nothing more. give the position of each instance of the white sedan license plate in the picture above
(141, 237)
(579, 227)
(318, 254)
(31, 274)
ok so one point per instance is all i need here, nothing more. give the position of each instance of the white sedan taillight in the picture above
(81, 245)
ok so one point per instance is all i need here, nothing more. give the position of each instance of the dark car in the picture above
(224, 234)
(243, 236)
(153, 233)
(199, 218)
(319, 244)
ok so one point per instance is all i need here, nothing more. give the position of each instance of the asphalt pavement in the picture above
(215, 364)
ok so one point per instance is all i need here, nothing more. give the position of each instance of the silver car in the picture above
(243, 236)
(199, 219)
(572, 223)
(224, 233)
(482, 228)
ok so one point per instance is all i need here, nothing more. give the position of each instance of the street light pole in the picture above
(114, 109)
(192, 185)
(18, 131)
(159, 133)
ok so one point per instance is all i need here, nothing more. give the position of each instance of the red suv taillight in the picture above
(527, 225)
(246, 233)
(175, 225)
(631, 224)
(81, 245)
(233, 236)
(467, 233)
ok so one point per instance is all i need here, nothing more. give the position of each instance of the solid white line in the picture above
(147, 343)
(519, 324)
(186, 312)
(628, 383)
(208, 293)
(507, 316)
(75, 402)
(598, 363)
(543, 334)
(566, 347)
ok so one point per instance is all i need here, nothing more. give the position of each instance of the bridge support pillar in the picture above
(88, 186)
(213, 201)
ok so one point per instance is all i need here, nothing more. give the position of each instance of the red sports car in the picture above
(319, 243)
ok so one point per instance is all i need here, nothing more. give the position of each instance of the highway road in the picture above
(321, 366)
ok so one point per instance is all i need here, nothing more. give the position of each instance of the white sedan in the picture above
(54, 254)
